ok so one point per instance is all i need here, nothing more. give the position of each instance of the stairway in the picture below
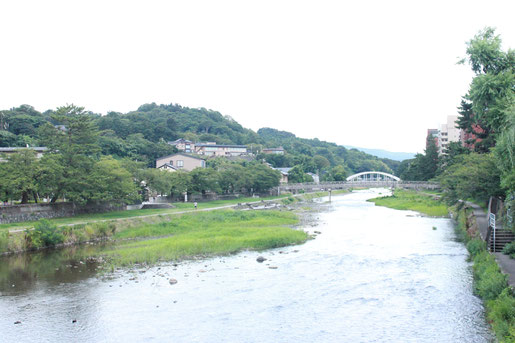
(502, 237)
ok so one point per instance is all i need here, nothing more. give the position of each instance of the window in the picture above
(203, 164)
(171, 163)
(180, 163)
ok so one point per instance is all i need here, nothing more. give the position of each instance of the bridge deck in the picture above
(312, 186)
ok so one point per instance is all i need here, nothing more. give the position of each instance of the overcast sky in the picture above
(373, 74)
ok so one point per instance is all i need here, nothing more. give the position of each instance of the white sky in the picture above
(373, 74)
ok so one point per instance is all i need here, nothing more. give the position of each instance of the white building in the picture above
(448, 133)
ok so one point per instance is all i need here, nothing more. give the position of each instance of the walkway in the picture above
(506, 263)
(157, 214)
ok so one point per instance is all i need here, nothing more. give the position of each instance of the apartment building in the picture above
(213, 149)
(448, 133)
(275, 151)
(183, 145)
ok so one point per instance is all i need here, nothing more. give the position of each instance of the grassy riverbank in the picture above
(178, 207)
(489, 282)
(205, 234)
(124, 224)
(409, 200)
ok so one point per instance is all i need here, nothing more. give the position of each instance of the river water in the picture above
(373, 275)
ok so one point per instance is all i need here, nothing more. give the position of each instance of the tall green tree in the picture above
(110, 182)
(424, 166)
(19, 176)
(505, 154)
(262, 178)
(75, 149)
(484, 109)
(474, 176)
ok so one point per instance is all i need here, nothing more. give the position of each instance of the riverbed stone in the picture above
(261, 259)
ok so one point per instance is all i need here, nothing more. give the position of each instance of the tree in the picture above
(430, 160)
(110, 182)
(450, 155)
(233, 178)
(157, 180)
(7, 139)
(491, 93)
(321, 162)
(19, 175)
(505, 154)
(180, 182)
(474, 176)
(424, 166)
(203, 180)
(339, 173)
(262, 178)
(297, 175)
(75, 149)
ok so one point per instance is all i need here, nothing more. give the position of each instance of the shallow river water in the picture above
(373, 275)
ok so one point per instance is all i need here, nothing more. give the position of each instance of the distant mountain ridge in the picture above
(397, 156)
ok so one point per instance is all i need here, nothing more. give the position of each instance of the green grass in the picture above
(179, 207)
(214, 219)
(409, 200)
(204, 234)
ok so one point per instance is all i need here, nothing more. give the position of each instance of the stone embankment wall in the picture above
(28, 212)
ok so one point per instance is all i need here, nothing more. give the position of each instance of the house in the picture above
(40, 150)
(180, 161)
(213, 149)
(168, 167)
(183, 145)
(275, 151)
(284, 174)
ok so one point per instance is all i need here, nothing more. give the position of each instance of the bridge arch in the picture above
(373, 176)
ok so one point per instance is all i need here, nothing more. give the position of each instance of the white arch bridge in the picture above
(372, 176)
(369, 179)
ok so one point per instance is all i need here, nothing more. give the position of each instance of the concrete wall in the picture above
(20, 213)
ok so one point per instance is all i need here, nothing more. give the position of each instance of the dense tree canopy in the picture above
(484, 109)
(487, 112)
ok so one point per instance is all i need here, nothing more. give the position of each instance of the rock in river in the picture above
(261, 259)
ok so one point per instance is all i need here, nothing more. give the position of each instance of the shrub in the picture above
(490, 282)
(45, 234)
(476, 246)
(502, 315)
(104, 230)
(509, 249)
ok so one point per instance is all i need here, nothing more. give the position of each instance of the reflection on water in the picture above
(372, 275)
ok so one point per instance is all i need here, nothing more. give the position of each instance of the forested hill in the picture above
(142, 135)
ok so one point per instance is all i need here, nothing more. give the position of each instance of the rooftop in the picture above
(182, 154)
(221, 145)
(36, 148)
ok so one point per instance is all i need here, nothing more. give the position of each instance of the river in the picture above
(373, 274)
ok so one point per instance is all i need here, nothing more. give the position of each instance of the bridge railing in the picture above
(359, 182)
